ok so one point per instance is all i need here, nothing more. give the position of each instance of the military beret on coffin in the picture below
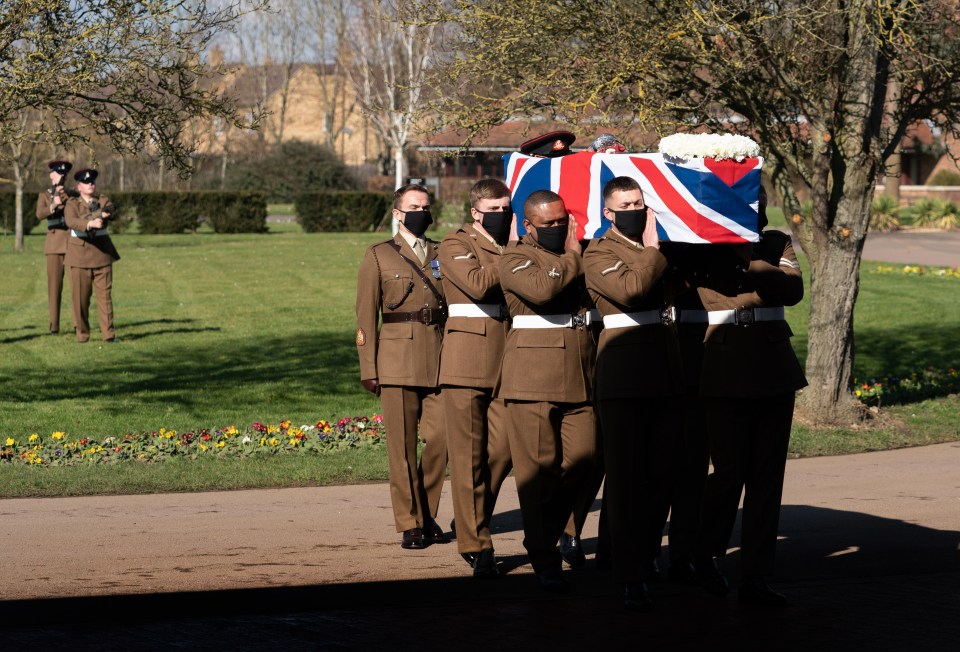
(551, 145)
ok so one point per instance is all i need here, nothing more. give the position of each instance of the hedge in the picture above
(8, 212)
(334, 211)
(176, 212)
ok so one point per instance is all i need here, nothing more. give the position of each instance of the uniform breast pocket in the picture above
(397, 288)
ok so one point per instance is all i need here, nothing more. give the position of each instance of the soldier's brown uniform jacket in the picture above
(757, 359)
(623, 277)
(407, 353)
(472, 346)
(84, 248)
(57, 231)
(550, 364)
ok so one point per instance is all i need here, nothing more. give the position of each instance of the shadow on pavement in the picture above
(855, 582)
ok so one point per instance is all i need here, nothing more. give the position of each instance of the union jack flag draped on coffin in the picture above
(699, 200)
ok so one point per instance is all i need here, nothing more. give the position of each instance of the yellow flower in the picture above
(11, 441)
(272, 429)
(274, 441)
(34, 437)
(263, 440)
(294, 441)
(230, 431)
(221, 444)
(203, 447)
(163, 431)
(58, 435)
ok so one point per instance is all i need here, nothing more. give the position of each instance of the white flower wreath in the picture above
(715, 146)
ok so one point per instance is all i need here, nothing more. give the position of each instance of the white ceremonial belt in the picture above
(554, 321)
(87, 234)
(492, 310)
(745, 315)
(626, 319)
(693, 316)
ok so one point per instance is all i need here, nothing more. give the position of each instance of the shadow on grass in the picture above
(843, 571)
(314, 363)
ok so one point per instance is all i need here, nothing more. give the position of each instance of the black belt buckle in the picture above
(426, 315)
(668, 316)
(744, 316)
(579, 320)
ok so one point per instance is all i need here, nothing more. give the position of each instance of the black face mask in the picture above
(631, 223)
(417, 222)
(552, 238)
(497, 224)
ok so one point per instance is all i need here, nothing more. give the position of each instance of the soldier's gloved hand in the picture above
(372, 385)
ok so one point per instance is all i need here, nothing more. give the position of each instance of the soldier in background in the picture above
(473, 344)
(50, 207)
(90, 256)
(400, 282)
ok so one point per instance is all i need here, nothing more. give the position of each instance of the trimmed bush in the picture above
(326, 212)
(162, 212)
(944, 178)
(8, 212)
(235, 212)
(884, 214)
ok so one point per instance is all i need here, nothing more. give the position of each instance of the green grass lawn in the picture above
(219, 330)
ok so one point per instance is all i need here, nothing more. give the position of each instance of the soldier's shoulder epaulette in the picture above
(382, 243)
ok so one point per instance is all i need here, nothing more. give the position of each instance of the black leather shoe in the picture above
(651, 572)
(412, 539)
(571, 549)
(755, 590)
(636, 598)
(682, 572)
(485, 565)
(432, 533)
(711, 579)
(552, 580)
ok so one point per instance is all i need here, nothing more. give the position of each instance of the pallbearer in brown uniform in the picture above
(473, 343)
(50, 206)
(90, 256)
(400, 283)
(638, 383)
(546, 379)
(749, 379)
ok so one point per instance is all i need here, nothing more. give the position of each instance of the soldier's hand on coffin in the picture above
(650, 236)
(571, 243)
(372, 385)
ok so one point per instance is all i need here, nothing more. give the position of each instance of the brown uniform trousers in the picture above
(90, 257)
(55, 249)
(546, 382)
(638, 387)
(749, 378)
(690, 472)
(469, 365)
(405, 357)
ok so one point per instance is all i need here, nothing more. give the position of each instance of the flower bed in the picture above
(62, 449)
(920, 270)
(917, 386)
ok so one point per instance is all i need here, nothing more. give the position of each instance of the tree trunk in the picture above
(834, 253)
(18, 208)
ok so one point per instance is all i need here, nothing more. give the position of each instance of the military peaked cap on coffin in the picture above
(60, 167)
(86, 175)
(551, 145)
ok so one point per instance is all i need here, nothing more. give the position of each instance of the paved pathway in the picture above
(869, 557)
(941, 248)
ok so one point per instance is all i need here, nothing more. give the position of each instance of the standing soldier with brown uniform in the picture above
(90, 256)
(546, 379)
(638, 384)
(400, 281)
(50, 206)
(749, 380)
(473, 343)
